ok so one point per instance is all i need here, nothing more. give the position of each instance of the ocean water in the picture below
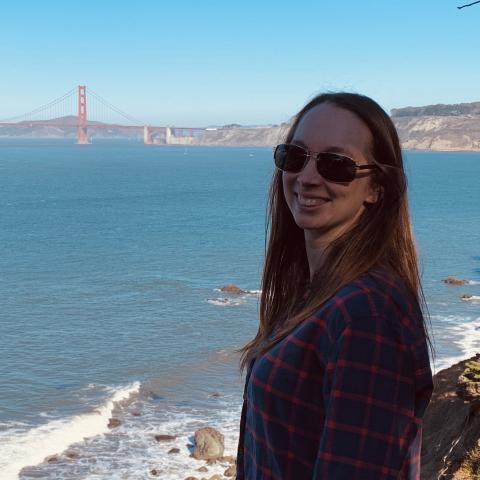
(113, 257)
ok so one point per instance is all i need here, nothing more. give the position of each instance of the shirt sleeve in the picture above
(370, 425)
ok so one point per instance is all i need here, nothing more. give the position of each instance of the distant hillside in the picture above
(431, 127)
(438, 110)
(439, 127)
(67, 130)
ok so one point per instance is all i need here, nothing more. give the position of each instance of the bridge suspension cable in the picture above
(47, 106)
(107, 104)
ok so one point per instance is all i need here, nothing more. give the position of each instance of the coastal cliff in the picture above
(432, 127)
(439, 127)
(451, 432)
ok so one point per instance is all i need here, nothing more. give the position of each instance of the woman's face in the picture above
(323, 209)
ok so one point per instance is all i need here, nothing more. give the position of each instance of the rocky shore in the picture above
(450, 450)
(451, 435)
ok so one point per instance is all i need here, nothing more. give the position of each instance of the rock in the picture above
(454, 281)
(215, 395)
(114, 423)
(52, 459)
(164, 438)
(229, 459)
(72, 455)
(174, 450)
(191, 478)
(212, 461)
(231, 288)
(230, 471)
(154, 472)
(216, 477)
(466, 296)
(202, 469)
(468, 385)
(209, 444)
(136, 413)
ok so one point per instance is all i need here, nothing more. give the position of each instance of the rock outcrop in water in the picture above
(114, 423)
(231, 288)
(454, 281)
(164, 438)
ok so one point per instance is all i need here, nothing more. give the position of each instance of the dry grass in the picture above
(470, 467)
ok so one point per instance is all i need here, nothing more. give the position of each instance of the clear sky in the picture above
(194, 63)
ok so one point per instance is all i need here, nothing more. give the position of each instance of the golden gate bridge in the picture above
(70, 111)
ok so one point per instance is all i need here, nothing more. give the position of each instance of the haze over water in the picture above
(113, 255)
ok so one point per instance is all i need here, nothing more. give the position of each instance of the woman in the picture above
(338, 374)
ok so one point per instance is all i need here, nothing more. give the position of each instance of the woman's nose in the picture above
(309, 173)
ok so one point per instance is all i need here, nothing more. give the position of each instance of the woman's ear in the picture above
(374, 194)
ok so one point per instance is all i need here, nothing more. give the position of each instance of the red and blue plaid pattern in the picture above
(342, 397)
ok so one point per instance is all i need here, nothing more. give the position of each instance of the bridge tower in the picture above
(82, 138)
(147, 135)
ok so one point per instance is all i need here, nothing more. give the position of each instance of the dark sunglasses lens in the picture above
(289, 158)
(335, 167)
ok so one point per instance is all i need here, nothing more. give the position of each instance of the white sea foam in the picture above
(473, 298)
(473, 282)
(21, 448)
(225, 302)
(130, 452)
(464, 332)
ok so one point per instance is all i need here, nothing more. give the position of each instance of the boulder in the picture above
(72, 454)
(165, 438)
(154, 472)
(202, 469)
(231, 288)
(454, 281)
(209, 444)
(114, 423)
(52, 459)
(174, 450)
(230, 471)
(191, 478)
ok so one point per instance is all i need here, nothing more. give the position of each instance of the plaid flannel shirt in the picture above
(342, 397)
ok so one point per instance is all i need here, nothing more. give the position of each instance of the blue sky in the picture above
(195, 63)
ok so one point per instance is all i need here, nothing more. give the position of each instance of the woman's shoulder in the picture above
(377, 300)
(377, 290)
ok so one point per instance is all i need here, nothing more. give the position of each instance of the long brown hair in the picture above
(382, 237)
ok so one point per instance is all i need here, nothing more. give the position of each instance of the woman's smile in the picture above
(309, 202)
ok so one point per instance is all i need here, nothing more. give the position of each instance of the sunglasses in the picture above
(333, 167)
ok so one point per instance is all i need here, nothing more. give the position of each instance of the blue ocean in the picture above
(113, 259)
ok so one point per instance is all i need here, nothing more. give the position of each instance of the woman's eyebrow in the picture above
(330, 149)
(300, 144)
(335, 149)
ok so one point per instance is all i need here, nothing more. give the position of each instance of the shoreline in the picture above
(207, 145)
(73, 449)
